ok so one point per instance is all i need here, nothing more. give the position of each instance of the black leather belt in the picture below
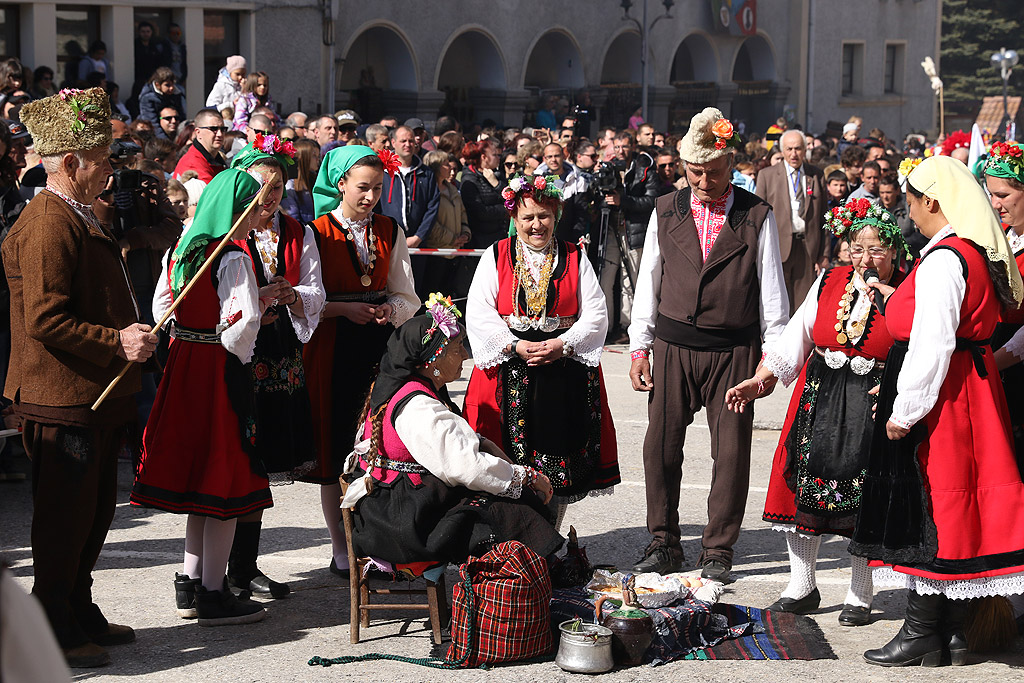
(191, 334)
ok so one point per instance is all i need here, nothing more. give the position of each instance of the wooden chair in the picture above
(361, 593)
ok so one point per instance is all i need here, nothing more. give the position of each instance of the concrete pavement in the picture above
(144, 548)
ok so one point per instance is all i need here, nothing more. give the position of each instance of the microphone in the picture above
(870, 276)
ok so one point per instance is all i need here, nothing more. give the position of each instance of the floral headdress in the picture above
(955, 140)
(1006, 160)
(520, 187)
(858, 213)
(271, 144)
(446, 319)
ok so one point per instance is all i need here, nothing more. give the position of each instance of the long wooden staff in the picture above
(202, 271)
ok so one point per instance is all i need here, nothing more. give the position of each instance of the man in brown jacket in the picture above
(709, 289)
(74, 324)
(796, 192)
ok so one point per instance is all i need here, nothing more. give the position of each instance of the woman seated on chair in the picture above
(425, 486)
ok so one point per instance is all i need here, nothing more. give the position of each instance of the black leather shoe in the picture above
(804, 605)
(715, 569)
(919, 641)
(660, 560)
(343, 573)
(954, 614)
(116, 634)
(855, 616)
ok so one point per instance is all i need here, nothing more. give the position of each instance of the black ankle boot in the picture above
(185, 596)
(222, 608)
(243, 574)
(920, 640)
(954, 614)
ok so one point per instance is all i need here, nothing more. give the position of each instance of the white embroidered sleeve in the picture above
(238, 293)
(588, 333)
(162, 299)
(648, 290)
(401, 290)
(774, 302)
(786, 354)
(1015, 346)
(445, 444)
(310, 289)
(939, 295)
(488, 333)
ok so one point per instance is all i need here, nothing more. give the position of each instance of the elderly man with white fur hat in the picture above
(74, 325)
(709, 290)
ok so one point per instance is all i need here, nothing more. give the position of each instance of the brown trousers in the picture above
(798, 273)
(74, 492)
(684, 381)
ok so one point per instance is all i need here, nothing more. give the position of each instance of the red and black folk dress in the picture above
(283, 412)
(1008, 335)
(199, 448)
(945, 504)
(818, 470)
(341, 358)
(553, 417)
(462, 504)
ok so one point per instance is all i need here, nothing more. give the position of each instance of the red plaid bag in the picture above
(507, 617)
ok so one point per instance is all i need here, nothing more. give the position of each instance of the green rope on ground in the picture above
(431, 662)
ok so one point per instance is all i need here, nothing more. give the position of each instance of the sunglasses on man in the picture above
(264, 133)
(213, 129)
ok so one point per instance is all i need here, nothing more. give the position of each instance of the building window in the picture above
(220, 41)
(9, 24)
(78, 26)
(893, 79)
(853, 68)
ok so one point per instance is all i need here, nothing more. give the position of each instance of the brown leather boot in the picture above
(86, 656)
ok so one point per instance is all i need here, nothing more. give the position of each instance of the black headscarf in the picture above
(405, 353)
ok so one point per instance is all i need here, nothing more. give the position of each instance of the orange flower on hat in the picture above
(723, 131)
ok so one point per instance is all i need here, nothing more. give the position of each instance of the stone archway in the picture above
(378, 64)
(754, 75)
(621, 75)
(554, 63)
(694, 75)
(472, 77)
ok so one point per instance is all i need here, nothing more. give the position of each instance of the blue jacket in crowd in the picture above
(413, 201)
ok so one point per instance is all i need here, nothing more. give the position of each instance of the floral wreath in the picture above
(72, 97)
(861, 212)
(1007, 155)
(520, 187)
(446, 319)
(725, 134)
(271, 144)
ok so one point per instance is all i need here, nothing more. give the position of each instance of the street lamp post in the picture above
(1005, 60)
(644, 28)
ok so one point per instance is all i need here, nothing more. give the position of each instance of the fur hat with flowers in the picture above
(710, 136)
(70, 121)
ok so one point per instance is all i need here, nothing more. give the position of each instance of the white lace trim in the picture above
(965, 589)
(401, 310)
(583, 348)
(601, 492)
(303, 327)
(515, 487)
(1016, 241)
(780, 367)
(791, 529)
(494, 352)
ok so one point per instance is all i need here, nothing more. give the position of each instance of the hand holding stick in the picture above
(259, 199)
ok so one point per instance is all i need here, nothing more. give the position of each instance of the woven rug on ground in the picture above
(684, 628)
(771, 635)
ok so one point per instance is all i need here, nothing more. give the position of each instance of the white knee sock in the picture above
(193, 566)
(218, 536)
(803, 556)
(560, 516)
(330, 501)
(862, 588)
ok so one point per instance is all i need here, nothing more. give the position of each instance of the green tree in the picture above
(972, 30)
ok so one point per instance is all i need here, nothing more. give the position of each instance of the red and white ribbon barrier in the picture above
(419, 251)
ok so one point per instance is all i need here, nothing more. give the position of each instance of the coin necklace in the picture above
(371, 245)
(536, 290)
(843, 315)
(268, 252)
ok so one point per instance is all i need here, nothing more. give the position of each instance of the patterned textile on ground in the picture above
(770, 635)
(680, 630)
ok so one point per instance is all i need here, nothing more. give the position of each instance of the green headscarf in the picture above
(1006, 160)
(326, 196)
(228, 194)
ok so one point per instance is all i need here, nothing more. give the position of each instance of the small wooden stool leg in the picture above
(354, 575)
(435, 614)
(364, 593)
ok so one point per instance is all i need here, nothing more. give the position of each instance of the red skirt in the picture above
(194, 460)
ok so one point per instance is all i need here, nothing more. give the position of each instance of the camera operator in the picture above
(635, 202)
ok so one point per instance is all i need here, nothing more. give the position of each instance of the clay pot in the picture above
(632, 633)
